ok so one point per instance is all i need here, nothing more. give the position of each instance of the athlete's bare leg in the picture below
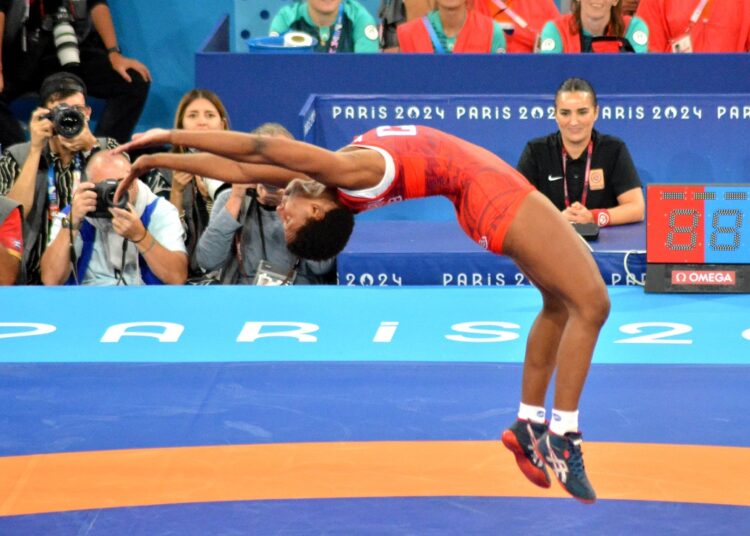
(541, 348)
(549, 251)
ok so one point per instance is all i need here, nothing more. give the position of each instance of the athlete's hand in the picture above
(150, 138)
(138, 168)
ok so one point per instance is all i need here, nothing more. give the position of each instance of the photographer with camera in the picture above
(42, 174)
(42, 37)
(245, 237)
(138, 241)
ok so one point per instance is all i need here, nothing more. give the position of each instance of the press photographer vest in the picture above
(37, 216)
(88, 236)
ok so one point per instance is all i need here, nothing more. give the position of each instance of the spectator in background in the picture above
(11, 241)
(393, 13)
(138, 244)
(697, 25)
(245, 231)
(452, 27)
(589, 176)
(628, 6)
(522, 20)
(595, 26)
(338, 25)
(29, 55)
(192, 195)
(42, 174)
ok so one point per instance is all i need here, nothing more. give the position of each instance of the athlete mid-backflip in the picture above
(496, 207)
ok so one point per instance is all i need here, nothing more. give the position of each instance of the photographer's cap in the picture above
(58, 83)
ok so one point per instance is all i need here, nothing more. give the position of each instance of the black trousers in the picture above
(24, 72)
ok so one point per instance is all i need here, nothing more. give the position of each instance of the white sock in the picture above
(563, 422)
(531, 413)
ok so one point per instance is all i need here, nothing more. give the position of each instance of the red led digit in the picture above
(675, 223)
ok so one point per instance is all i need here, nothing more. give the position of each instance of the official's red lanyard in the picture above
(697, 12)
(585, 191)
(515, 17)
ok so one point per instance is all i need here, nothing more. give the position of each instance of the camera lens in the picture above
(66, 40)
(105, 196)
(67, 121)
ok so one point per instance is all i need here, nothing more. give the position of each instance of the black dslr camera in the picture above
(105, 195)
(68, 121)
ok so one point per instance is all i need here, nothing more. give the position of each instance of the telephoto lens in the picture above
(66, 40)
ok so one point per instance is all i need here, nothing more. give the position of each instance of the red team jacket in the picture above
(474, 37)
(534, 12)
(723, 27)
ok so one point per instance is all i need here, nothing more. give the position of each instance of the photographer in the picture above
(245, 237)
(139, 242)
(43, 37)
(41, 174)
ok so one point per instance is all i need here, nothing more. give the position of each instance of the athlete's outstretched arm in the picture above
(352, 169)
(209, 165)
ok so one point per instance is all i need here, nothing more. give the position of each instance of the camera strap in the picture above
(52, 195)
(238, 237)
(266, 274)
(73, 256)
(54, 203)
(120, 273)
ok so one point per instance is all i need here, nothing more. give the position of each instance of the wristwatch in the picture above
(68, 224)
(115, 48)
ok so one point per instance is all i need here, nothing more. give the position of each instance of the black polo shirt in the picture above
(541, 164)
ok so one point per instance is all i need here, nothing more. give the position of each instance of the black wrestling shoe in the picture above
(564, 456)
(521, 439)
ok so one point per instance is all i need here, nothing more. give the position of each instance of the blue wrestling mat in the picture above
(250, 410)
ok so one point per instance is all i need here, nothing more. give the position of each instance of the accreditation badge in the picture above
(269, 275)
(371, 32)
(596, 179)
(682, 44)
(547, 45)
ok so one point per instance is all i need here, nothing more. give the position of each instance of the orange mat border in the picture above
(44, 483)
